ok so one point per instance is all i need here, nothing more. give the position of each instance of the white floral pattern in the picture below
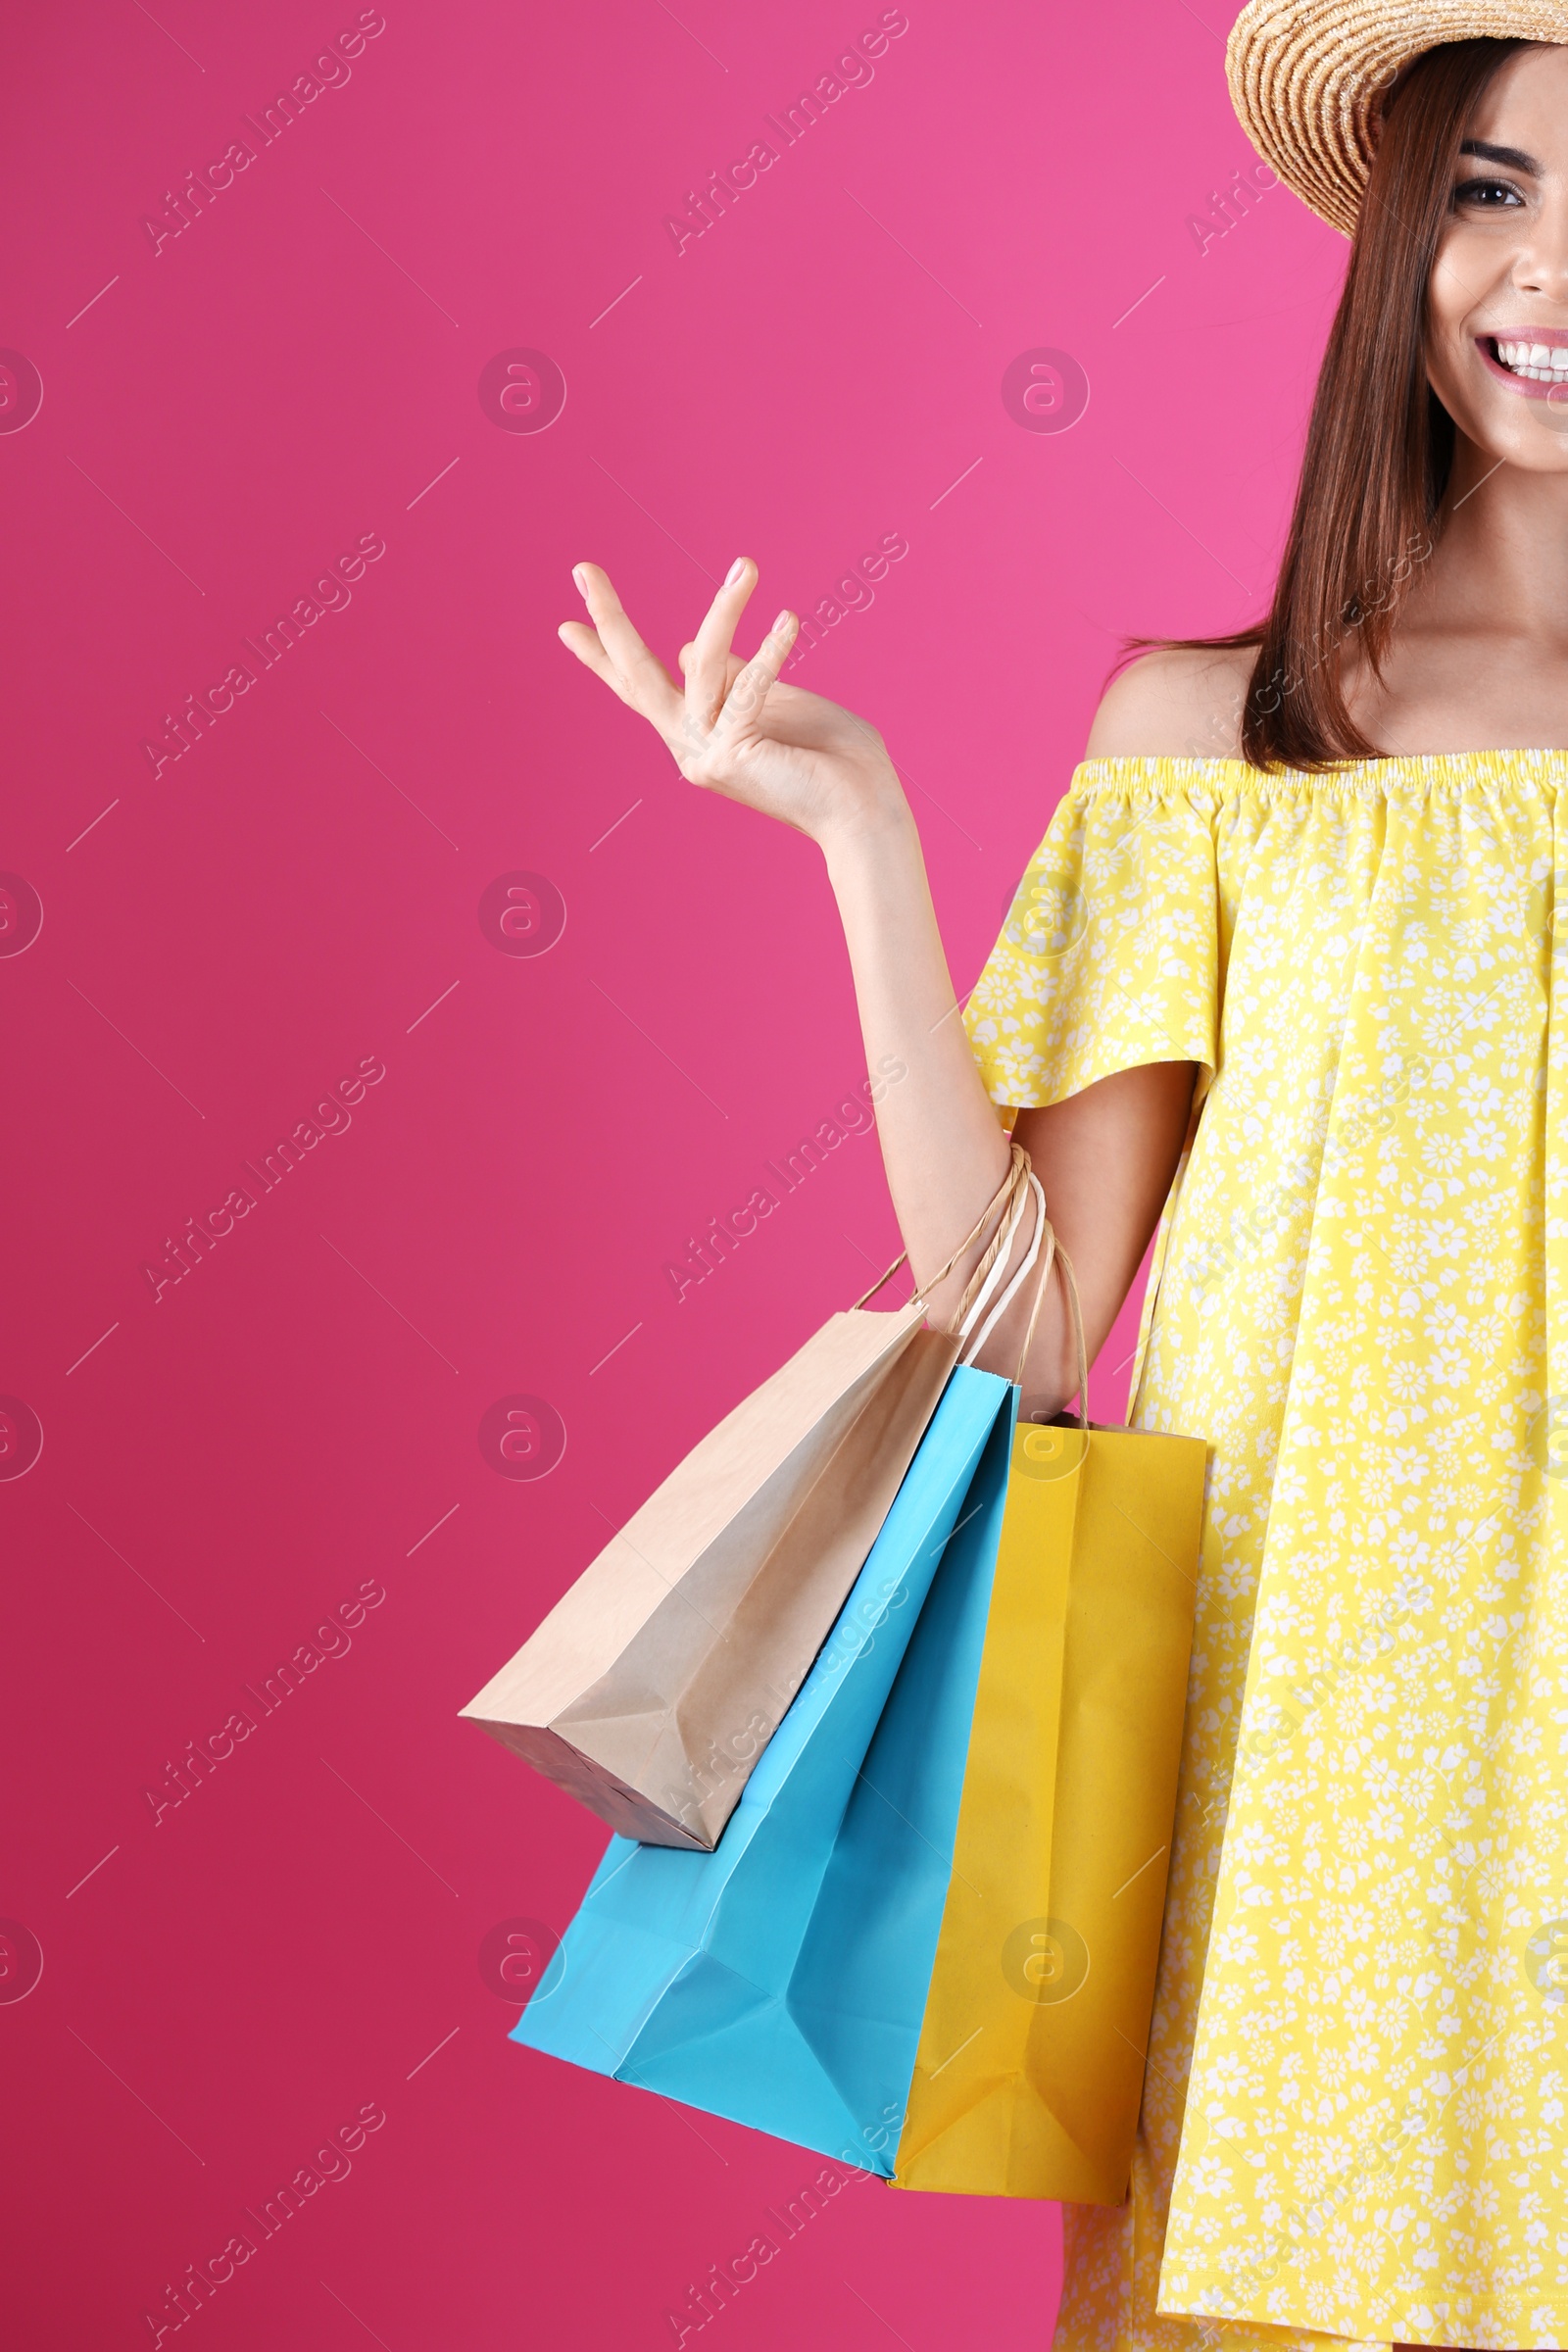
(1354, 2120)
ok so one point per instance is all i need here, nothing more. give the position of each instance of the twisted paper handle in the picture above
(1007, 1200)
(1009, 1204)
(1055, 1254)
(1043, 1239)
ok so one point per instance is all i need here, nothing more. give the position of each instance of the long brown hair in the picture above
(1380, 444)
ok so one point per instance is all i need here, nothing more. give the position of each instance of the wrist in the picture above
(877, 821)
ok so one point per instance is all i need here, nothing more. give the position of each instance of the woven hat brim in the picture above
(1307, 78)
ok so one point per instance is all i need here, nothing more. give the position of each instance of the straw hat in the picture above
(1307, 78)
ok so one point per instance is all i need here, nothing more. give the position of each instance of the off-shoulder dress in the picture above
(1355, 2118)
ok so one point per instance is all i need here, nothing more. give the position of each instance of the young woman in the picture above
(1286, 964)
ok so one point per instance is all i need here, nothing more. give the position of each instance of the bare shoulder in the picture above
(1184, 703)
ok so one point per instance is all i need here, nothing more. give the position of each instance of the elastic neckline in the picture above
(1395, 768)
(1345, 767)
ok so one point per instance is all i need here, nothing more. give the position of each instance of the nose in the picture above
(1542, 267)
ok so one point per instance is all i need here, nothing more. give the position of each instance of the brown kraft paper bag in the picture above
(655, 1683)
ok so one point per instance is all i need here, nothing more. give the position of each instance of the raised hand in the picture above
(731, 727)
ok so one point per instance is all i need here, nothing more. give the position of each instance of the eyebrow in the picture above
(1514, 157)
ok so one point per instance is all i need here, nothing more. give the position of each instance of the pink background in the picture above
(225, 1984)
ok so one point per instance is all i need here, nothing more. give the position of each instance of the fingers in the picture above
(733, 665)
(723, 693)
(707, 672)
(583, 641)
(615, 652)
(749, 687)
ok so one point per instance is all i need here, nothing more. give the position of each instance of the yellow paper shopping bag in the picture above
(1030, 2066)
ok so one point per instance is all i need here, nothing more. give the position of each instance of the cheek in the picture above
(1459, 292)
(1461, 281)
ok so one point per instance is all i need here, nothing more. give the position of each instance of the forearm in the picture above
(1105, 1156)
(945, 1152)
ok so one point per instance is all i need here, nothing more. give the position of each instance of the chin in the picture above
(1507, 428)
(1532, 448)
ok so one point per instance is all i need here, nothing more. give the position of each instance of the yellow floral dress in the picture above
(1354, 2120)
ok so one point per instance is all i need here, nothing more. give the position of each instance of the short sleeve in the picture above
(1110, 955)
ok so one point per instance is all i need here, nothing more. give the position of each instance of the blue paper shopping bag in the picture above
(781, 1980)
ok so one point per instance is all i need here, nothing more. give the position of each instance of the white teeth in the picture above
(1542, 362)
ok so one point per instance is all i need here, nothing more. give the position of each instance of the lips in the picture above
(1531, 359)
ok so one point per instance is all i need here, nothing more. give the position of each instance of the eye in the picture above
(1487, 195)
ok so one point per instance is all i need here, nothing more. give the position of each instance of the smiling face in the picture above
(1498, 305)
